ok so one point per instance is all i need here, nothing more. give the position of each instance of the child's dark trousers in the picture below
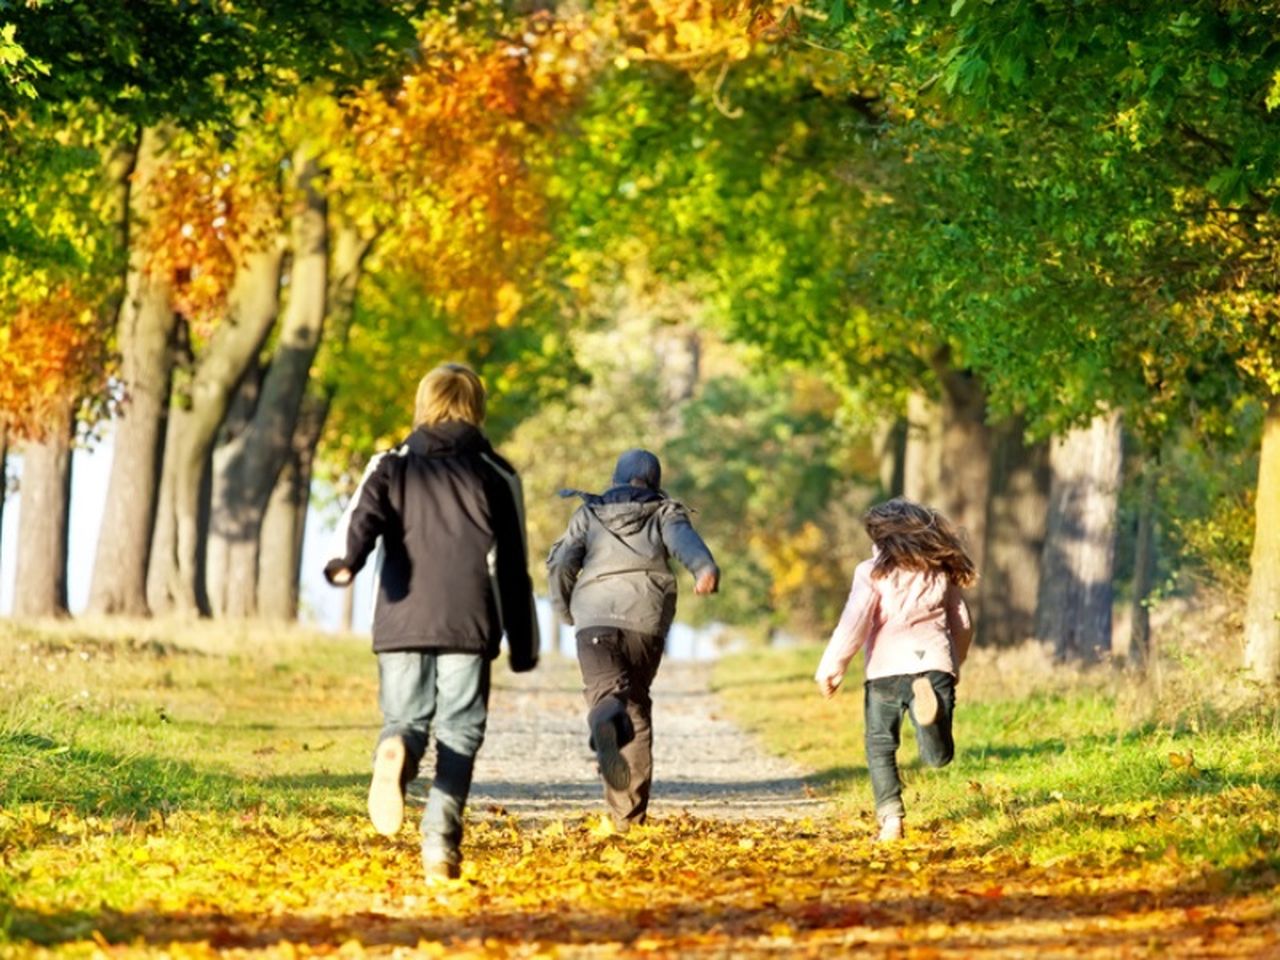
(618, 667)
(887, 698)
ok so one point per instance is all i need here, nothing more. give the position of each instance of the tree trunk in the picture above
(283, 525)
(965, 461)
(239, 416)
(1262, 613)
(891, 450)
(922, 462)
(144, 333)
(40, 582)
(174, 578)
(1074, 610)
(1143, 565)
(257, 456)
(1015, 537)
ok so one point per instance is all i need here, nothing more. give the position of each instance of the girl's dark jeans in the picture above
(887, 698)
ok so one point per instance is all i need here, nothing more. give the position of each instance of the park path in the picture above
(536, 764)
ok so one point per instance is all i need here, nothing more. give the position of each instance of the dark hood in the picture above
(622, 509)
(446, 439)
(637, 480)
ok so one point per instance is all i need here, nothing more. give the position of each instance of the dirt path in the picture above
(536, 763)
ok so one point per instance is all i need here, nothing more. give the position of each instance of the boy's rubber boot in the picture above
(441, 870)
(386, 790)
(613, 765)
(924, 702)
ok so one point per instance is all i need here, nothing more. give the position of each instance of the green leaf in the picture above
(1217, 76)
(957, 6)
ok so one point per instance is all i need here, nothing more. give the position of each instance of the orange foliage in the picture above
(689, 31)
(53, 354)
(206, 212)
(456, 149)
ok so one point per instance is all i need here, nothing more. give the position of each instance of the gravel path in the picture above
(535, 761)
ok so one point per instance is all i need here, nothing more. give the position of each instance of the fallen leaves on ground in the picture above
(202, 884)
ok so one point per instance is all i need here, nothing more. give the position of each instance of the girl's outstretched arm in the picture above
(851, 632)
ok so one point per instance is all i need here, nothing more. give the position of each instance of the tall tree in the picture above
(1075, 598)
(260, 450)
(145, 331)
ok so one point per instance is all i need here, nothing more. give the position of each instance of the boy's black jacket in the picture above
(453, 573)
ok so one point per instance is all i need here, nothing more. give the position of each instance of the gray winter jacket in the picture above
(611, 568)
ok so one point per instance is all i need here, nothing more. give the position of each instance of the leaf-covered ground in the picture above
(204, 798)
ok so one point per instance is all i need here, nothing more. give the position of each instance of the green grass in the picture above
(171, 787)
(118, 725)
(1053, 763)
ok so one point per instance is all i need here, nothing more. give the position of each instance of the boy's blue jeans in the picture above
(420, 691)
(887, 698)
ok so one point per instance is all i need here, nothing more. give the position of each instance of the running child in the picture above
(906, 610)
(610, 575)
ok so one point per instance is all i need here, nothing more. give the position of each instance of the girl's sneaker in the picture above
(924, 702)
(386, 790)
(890, 829)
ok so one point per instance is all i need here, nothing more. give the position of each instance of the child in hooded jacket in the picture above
(906, 610)
(610, 575)
(446, 514)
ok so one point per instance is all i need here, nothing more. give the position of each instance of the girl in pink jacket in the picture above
(905, 608)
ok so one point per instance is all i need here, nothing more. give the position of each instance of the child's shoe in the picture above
(386, 790)
(890, 829)
(613, 765)
(924, 702)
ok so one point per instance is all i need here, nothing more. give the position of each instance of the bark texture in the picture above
(1262, 613)
(922, 462)
(1074, 610)
(891, 451)
(175, 575)
(283, 525)
(144, 332)
(40, 579)
(1016, 514)
(256, 457)
(965, 462)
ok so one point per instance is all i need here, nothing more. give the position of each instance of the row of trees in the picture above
(1006, 237)
(187, 250)
(1030, 233)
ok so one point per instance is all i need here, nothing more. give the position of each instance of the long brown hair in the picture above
(911, 536)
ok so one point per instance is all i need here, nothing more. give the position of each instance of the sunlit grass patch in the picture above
(198, 803)
(1062, 764)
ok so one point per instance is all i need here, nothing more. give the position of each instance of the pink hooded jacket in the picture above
(910, 622)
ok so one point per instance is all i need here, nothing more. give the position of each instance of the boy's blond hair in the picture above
(451, 391)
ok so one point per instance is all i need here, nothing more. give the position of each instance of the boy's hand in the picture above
(337, 573)
(708, 582)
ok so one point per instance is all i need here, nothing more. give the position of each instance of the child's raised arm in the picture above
(850, 633)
